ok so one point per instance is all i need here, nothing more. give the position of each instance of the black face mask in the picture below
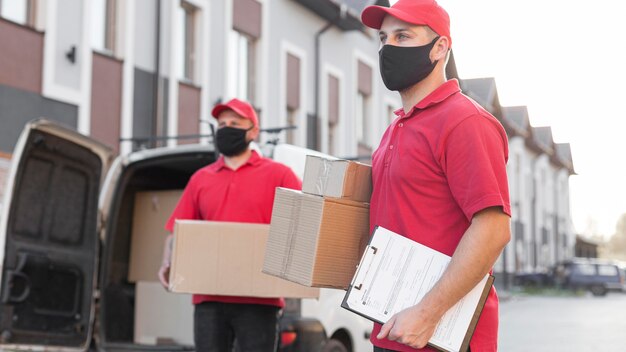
(231, 141)
(403, 67)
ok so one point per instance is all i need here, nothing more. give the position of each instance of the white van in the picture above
(65, 243)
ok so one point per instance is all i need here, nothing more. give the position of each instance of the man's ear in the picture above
(253, 133)
(440, 50)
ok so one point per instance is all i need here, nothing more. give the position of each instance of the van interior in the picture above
(136, 313)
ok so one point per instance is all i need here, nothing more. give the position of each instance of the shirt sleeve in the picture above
(474, 161)
(290, 180)
(187, 207)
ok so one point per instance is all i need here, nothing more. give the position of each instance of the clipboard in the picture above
(386, 282)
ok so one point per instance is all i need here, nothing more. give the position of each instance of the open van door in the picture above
(48, 239)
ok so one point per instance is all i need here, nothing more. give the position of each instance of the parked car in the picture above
(596, 275)
(65, 234)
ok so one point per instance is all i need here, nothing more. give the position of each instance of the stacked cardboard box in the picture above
(225, 258)
(317, 236)
(337, 178)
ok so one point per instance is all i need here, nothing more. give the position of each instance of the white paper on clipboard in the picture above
(395, 273)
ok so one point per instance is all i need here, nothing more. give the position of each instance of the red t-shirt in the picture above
(218, 193)
(436, 166)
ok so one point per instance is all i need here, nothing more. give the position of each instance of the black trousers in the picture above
(217, 325)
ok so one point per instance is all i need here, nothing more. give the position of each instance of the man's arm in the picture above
(474, 257)
(164, 271)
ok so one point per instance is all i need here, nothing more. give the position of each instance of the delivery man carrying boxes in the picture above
(238, 187)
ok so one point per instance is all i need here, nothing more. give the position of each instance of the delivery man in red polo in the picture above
(439, 173)
(238, 187)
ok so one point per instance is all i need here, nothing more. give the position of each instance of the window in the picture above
(247, 19)
(187, 50)
(292, 118)
(334, 103)
(293, 95)
(103, 21)
(242, 75)
(363, 124)
(361, 118)
(19, 11)
(607, 270)
(518, 178)
(391, 116)
(585, 269)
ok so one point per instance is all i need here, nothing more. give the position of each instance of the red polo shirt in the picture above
(219, 193)
(436, 166)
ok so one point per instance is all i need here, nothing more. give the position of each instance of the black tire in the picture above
(598, 290)
(334, 346)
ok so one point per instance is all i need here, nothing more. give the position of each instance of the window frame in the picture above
(189, 47)
(239, 41)
(30, 16)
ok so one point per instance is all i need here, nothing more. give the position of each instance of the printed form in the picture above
(395, 273)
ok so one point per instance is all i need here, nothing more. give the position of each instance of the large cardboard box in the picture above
(151, 211)
(162, 317)
(316, 241)
(337, 179)
(223, 258)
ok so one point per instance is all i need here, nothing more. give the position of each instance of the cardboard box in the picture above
(151, 211)
(316, 241)
(152, 304)
(225, 258)
(337, 178)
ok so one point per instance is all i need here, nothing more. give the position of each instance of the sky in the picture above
(566, 61)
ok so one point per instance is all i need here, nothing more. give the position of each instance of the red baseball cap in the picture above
(420, 12)
(242, 109)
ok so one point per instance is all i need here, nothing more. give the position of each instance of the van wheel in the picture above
(598, 290)
(334, 346)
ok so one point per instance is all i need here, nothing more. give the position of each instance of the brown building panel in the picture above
(293, 82)
(188, 111)
(365, 79)
(247, 17)
(106, 99)
(21, 58)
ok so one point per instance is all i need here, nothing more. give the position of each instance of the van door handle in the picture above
(9, 282)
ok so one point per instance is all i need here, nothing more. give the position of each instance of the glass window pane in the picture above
(586, 269)
(15, 10)
(607, 270)
(180, 54)
(360, 117)
(242, 68)
(98, 24)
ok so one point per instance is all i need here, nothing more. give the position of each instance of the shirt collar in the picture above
(440, 94)
(253, 160)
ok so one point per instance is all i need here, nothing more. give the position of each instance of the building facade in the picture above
(538, 171)
(122, 71)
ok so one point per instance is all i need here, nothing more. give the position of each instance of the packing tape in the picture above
(292, 231)
(321, 181)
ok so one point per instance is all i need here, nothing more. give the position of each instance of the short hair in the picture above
(431, 33)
